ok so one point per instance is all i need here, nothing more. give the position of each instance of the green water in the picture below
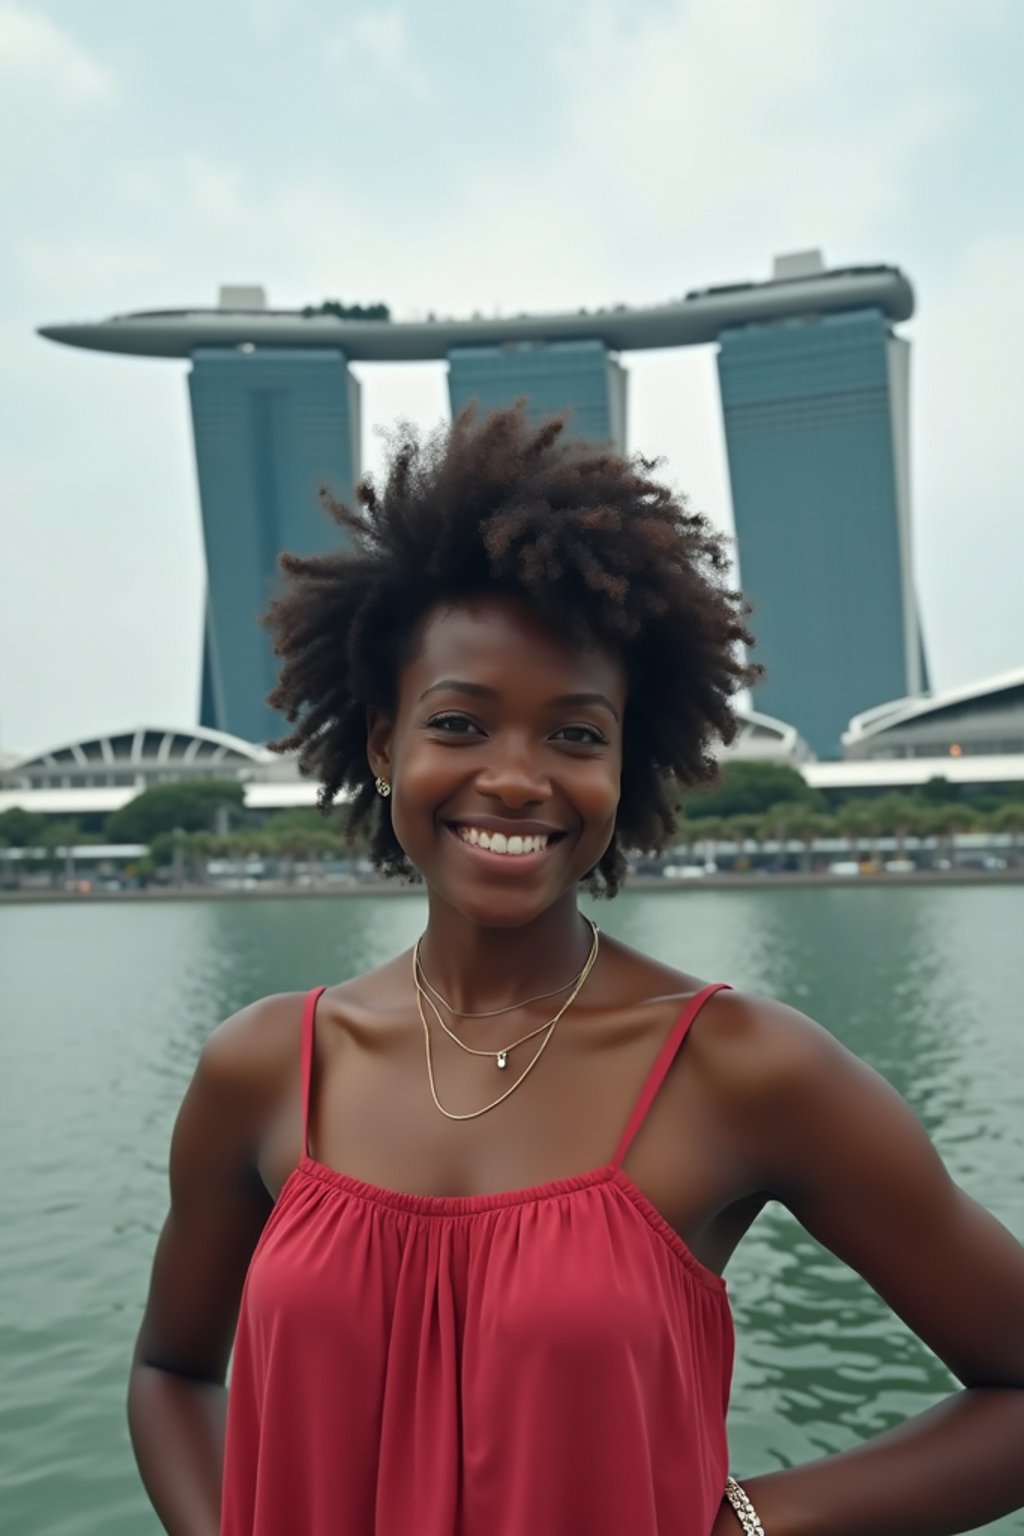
(103, 1009)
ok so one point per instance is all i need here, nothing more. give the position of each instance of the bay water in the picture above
(105, 1006)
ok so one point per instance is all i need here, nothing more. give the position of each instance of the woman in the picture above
(480, 1199)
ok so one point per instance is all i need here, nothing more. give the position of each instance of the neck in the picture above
(479, 968)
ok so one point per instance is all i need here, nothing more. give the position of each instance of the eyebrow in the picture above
(481, 691)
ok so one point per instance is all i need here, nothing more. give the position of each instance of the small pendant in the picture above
(502, 1058)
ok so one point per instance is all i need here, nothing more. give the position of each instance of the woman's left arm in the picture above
(847, 1156)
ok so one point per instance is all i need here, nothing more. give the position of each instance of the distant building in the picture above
(816, 427)
(579, 376)
(271, 427)
(137, 758)
(814, 388)
(764, 740)
(99, 774)
(984, 719)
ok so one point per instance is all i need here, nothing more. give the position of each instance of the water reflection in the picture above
(104, 1010)
(921, 986)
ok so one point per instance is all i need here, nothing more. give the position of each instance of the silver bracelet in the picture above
(745, 1512)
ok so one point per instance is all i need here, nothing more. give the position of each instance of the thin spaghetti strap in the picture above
(666, 1056)
(308, 1022)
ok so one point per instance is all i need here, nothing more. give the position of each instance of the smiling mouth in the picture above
(513, 845)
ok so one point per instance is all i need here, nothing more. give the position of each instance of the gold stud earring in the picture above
(383, 788)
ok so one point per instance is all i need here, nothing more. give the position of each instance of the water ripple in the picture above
(918, 982)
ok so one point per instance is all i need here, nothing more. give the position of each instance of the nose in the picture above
(513, 775)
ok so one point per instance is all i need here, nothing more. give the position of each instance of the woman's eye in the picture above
(452, 725)
(582, 735)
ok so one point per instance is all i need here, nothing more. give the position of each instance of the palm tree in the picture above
(807, 827)
(708, 832)
(947, 821)
(686, 834)
(1010, 818)
(858, 821)
(57, 841)
(247, 843)
(296, 844)
(200, 848)
(899, 817)
(775, 824)
(743, 829)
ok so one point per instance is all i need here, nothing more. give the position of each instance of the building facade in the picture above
(579, 376)
(814, 390)
(271, 426)
(982, 719)
(98, 774)
(815, 413)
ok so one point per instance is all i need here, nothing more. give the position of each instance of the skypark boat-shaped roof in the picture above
(698, 318)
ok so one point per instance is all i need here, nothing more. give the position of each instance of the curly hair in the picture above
(500, 505)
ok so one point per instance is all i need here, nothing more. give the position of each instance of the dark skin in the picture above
(760, 1104)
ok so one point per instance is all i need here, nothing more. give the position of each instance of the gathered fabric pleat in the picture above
(540, 1362)
(545, 1366)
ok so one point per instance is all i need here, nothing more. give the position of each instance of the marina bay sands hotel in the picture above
(814, 387)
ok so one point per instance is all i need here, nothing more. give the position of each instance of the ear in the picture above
(378, 743)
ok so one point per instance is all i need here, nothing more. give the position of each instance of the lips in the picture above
(516, 842)
(512, 844)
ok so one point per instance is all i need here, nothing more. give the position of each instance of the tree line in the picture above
(184, 826)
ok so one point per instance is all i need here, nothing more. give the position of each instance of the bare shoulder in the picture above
(798, 1102)
(757, 1047)
(833, 1141)
(632, 979)
(259, 1036)
(255, 1053)
(367, 1002)
(250, 1059)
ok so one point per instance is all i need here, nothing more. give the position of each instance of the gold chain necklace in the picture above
(500, 1056)
(492, 1013)
(550, 1027)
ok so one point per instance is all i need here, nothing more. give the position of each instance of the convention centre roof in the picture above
(980, 718)
(142, 749)
(762, 737)
(1001, 686)
(99, 774)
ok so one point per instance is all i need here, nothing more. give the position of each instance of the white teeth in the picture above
(497, 842)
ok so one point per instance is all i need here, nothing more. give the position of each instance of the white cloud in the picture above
(687, 143)
(373, 49)
(47, 82)
(691, 143)
(38, 56)
(968, 389)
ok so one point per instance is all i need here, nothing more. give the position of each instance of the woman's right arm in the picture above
(177, 1398)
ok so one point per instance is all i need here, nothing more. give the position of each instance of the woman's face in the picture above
(503, 735)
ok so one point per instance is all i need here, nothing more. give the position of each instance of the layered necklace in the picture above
(425, 993)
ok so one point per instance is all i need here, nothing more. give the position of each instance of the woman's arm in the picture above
(176, 1397)
(845, 1154)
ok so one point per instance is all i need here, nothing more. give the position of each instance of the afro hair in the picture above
(501, 505)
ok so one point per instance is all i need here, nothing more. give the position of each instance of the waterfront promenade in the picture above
(751, 880)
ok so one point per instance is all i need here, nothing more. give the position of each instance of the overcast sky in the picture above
(462, 155)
